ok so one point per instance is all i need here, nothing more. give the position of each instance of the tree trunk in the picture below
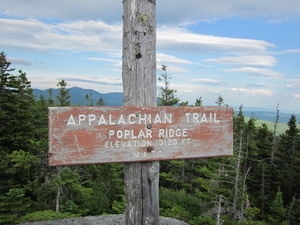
(237, 179)
(139, 84)
(59, 190)
(274, 135)
(219, 211)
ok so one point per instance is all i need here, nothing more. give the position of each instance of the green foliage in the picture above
(247, 188)
(100, 102)
(23, 160)
(118, 207)
(167, 95)
(179, 204)
(184, 103)
(201, 220)
(45, 215)
(199, 101)
(220, 101)
(278, 211)
(63, 97)
(13, 205)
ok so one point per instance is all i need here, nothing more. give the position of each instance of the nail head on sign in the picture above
(149, 148)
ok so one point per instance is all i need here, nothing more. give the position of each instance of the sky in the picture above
(246, 51)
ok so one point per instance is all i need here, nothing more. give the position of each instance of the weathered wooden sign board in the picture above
(87, 135)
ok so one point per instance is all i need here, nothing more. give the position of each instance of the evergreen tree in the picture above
(13, 205)
(89, 100)
(199, 101)
(100, 102)
(166, 95)
(16, 99)
(50, 100)
(63, 96)
(17, 132)
(289, 153)
(220, 101)
(278, 211)
(184, 103)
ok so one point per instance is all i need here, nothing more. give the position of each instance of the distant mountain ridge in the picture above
(116, 99)
(270, 116)
(78, 96)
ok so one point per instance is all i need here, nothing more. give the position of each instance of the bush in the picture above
(13, 205)
(46, 215)
(179, 204)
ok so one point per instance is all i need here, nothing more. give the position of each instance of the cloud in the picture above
(259, 60)
(256, 72)
(93, 81)
(75, 36)
(250, 92)
(297, 96)
(99, 36)
(19, 61)
(168, 11)
(294, 83)
(116, 63)
(166, 59)
(176, 69)
(291, 51)
(64, 9)
(259, 85)
(104, 59)
(188, 42)
(210, 82)
(191, 10)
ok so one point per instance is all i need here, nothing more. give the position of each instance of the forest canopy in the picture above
(259, 184)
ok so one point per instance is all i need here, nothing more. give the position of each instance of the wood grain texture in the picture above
(139, 87)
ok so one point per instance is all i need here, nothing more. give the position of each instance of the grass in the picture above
(281, 127)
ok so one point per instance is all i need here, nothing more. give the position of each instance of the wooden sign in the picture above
(87, 135)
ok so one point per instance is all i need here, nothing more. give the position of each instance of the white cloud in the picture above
(191, 10)
(243, 91)
(99, 83)
(258, 60)
(100, 36)
(64, 9)
(115, 66)
(188, 42)
(256, 72)
(173, 69)
(297, 96)
(18, 61)
(291, 51)
(210, 82)
(166, 59)
(104, 59)
(260, 85)
(168, 11)
(294, 83)
(76, 36)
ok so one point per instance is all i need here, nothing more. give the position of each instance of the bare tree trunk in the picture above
(263, 188)
(59, 190)
(291, 208)
(237, 178)
(218, 222)
(183, 169)
(244, 203)
(274, 135)
(139, 84)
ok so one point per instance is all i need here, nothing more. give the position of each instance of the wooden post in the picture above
(139, 87)
(84, 140)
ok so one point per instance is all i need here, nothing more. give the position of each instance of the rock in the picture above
(101, 220)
